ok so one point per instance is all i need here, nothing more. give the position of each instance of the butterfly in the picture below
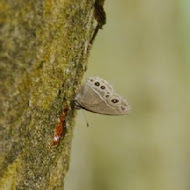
(97, 95)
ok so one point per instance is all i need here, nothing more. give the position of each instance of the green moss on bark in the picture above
(43, 55)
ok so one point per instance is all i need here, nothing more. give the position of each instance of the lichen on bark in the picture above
(44, 46)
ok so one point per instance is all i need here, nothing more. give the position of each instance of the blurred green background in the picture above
(144, 52)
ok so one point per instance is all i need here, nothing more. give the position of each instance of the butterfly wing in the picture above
(86, 96)
(96, 95)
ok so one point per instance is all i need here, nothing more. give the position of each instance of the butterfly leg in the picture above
(76, 104)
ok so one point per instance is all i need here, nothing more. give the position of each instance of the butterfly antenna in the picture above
(87, 124)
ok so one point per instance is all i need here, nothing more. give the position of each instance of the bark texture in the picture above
(43, 54)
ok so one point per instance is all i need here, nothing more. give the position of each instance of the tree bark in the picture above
(44, 46)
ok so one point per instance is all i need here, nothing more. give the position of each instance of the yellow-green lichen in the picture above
(45, 46)
(10, 176)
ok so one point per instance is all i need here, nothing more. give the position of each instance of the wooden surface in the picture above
(43, 55)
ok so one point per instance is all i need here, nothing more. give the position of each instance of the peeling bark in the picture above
(44, 46)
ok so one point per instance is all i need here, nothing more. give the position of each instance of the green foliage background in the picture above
(143, 51)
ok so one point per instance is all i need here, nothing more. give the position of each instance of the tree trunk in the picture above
(43, 54)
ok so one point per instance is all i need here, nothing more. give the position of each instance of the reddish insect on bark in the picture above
(60, 126)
